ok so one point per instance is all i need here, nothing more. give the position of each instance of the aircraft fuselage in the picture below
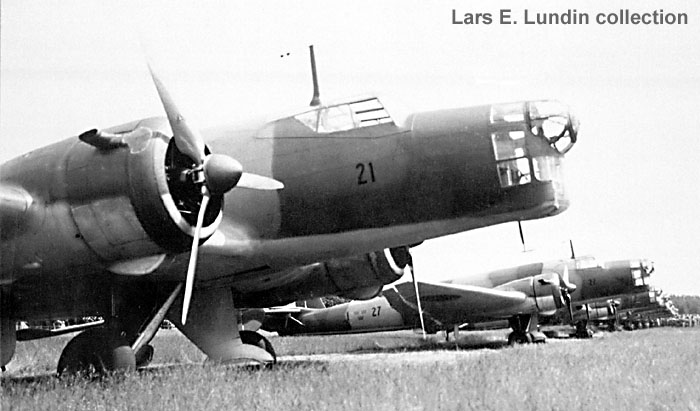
(347, 191)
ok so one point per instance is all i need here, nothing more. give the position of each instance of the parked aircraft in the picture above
(520, 294)
(151, 219)
(638, 310)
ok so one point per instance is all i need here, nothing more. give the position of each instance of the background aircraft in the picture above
(110, 223)
(637, 310)
(520, 294)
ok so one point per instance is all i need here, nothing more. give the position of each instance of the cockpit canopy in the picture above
(345, 116)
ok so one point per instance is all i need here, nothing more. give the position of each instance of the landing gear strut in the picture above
(122, 343)
(525, 330)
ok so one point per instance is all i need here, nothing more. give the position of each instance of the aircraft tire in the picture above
(254, 338)
(144, 356)
(93, 351)
(518, 338)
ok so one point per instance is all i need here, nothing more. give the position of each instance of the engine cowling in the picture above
(359, 278)
(127, 195)
(544, 289)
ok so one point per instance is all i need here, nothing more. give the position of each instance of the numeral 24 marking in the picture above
(363, 178)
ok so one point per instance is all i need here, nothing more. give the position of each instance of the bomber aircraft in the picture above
(636, 310)
(152, 219)
(520, 294)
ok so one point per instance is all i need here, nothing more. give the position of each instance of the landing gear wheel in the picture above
(144, 356)
(96, 351)
(254, 338)
(519, 338)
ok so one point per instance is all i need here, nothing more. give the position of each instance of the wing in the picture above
(457, 304)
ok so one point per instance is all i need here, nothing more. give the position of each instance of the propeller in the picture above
(216, 174)
(567, 288)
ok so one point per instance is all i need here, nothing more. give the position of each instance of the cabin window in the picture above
(548, 168)
(508, 144)
(637, 276)
(510, 150)
(514, 172)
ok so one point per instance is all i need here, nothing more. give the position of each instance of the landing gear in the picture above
(97, 350)
(614, 325)
(213, 326)
(582, 330)
(519, 337)
(144, 356)
(525, 330)
(254, 338)
(122, 343)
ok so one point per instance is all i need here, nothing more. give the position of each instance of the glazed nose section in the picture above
(641, 272)
(554, 122)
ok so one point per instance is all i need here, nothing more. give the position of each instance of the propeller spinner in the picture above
(215, 173)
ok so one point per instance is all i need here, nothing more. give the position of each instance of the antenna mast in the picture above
(315, 100)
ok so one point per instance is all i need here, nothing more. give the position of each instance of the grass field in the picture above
(657, 369)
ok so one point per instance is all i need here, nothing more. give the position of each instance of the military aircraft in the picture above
(520, 294)
(154, 219)
(637, 310)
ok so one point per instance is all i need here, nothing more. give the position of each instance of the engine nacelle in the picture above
(358, 278)
(543, 288)
(126, 197)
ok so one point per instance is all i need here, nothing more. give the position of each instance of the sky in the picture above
(69, 66)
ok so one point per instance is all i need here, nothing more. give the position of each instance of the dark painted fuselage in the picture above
(348, 191)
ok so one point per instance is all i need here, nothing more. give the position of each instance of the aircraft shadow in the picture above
(459, 345)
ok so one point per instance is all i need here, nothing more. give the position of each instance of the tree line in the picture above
(686, 304)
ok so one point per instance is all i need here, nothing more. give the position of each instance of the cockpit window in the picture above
(335, 118)
(508, 144)
(652, 296)
(340, 117)
(586, 262)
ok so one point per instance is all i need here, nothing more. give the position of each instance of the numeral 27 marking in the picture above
(362, 178)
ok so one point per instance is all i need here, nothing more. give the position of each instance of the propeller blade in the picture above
(564, 280)
(258, 182)
(192, 268)
(187, 140)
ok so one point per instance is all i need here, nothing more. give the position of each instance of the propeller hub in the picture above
(221, 173)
